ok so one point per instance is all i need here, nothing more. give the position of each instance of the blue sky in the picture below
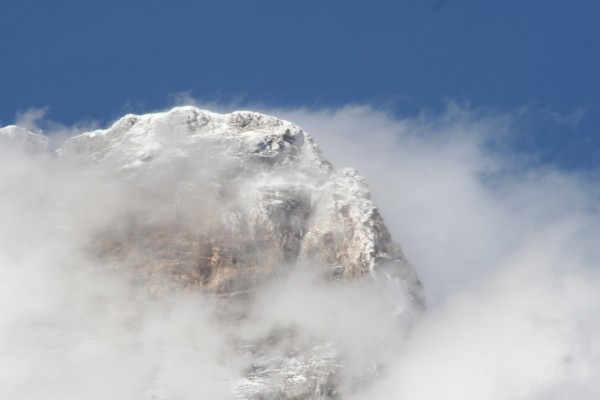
(100, 59)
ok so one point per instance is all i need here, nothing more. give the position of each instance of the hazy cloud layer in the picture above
(507, 251)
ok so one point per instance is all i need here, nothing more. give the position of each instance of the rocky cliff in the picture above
(237, 197)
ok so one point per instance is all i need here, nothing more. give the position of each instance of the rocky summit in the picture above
(225, 203)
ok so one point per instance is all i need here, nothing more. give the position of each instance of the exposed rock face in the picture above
(252, 196)
(223, 203)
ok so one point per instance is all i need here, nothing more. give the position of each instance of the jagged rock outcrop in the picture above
(242, 195)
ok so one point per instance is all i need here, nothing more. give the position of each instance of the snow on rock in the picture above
(15, 136)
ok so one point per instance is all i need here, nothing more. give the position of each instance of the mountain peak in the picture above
(191, 201)
(272, 198)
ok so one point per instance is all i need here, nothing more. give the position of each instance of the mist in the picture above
(506, 249)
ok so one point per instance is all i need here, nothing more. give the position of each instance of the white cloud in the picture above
(507, 251)
(30, 119)
(36, 120)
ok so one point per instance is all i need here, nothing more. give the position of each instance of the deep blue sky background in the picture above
(100, 59)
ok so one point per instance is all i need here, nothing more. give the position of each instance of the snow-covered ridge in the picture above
(12, 135)
(134, 139)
